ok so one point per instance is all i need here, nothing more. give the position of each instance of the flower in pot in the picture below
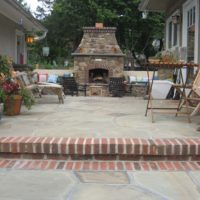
(14, 95)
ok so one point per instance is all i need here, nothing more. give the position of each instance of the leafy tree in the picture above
(69, 16)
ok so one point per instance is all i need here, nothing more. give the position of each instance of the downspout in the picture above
(38, 38)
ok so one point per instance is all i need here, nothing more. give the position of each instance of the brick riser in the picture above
(37, 156)
(100, 148)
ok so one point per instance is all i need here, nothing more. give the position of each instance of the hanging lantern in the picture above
(29, 39)
(45, 51)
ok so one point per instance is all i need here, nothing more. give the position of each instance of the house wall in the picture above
(8, 41)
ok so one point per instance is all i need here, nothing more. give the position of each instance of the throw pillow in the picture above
(42, 77)
(52, 79)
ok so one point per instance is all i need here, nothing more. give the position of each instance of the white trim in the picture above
(20, 33)
(169, 19)
(186, 6)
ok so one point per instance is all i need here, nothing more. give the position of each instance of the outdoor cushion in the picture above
(42, 77)
(67, 75)
(52, 79)
(132, 79)
(26, 79)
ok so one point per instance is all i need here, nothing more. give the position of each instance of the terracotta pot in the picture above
(12, 105)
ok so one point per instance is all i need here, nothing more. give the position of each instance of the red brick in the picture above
(162, 166)
(112, 145)
(4, 163)
(88, 149)
(60, 165)
(72, 146)
(169, 165)
(129, 146)
(194, 165)
(95, 165)
(145, 166)
(192, 146)
(128, 166)
(160, 147)
(35, 164)
(52, 165)
(153, 165)
(64, 145)
(26, 165)
(186, 166)
(111, 165)
(86, 165)
(145, 146)
(78, 165)
(69, 165)
(168, 147)
(103, 165)
(137, 166)
(96, 146)
(80, 146)
(120, 166)
(54, 145)
(38, 144)
(44, 164)
(120, 145)
(178, 166)
(104, 146)
(46, 145)
(136, 143)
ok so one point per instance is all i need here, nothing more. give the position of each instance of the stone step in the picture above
(100, 148)
(27, 164)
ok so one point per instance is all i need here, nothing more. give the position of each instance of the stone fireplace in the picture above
(97, 58)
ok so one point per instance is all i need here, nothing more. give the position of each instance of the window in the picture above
(172, 34)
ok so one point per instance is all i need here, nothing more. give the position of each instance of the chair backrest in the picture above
(196, 84)
(116, 86)
(70, 84)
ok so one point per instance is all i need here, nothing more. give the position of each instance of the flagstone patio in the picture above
(96, 117)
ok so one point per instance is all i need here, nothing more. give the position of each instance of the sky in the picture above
(32, 4)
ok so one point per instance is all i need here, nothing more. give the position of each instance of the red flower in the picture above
(10, 87)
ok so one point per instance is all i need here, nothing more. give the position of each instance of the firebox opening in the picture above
(98, 76)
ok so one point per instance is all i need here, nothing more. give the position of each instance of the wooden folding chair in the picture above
(192, 100)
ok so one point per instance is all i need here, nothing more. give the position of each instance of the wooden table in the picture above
(161, 65)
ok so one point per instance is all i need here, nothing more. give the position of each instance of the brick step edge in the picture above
(100, 146)
(100, 165)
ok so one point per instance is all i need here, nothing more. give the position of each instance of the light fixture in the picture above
(176, 19)
(144, 14)
(29, 39)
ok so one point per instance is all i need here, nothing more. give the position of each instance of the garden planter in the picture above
(13, 104)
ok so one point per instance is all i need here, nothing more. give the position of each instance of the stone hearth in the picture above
(97, 58)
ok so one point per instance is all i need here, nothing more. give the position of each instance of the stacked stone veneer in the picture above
(98, 50)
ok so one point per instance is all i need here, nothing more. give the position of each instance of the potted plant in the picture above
(14, 95)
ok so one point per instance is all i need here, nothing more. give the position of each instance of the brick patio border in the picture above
(100, 146)
(100, 165)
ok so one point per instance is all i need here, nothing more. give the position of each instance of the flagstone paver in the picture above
(68, 185)
(95, 117)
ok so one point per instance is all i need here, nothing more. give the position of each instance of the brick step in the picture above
(99, 165)
(104, 148)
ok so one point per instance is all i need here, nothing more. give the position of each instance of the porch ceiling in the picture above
(12, 10)
(155, 5)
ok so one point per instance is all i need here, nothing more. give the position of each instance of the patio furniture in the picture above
(116, 86)
(30, 81)
(183, 85)
(192, 100)
(72, 87)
